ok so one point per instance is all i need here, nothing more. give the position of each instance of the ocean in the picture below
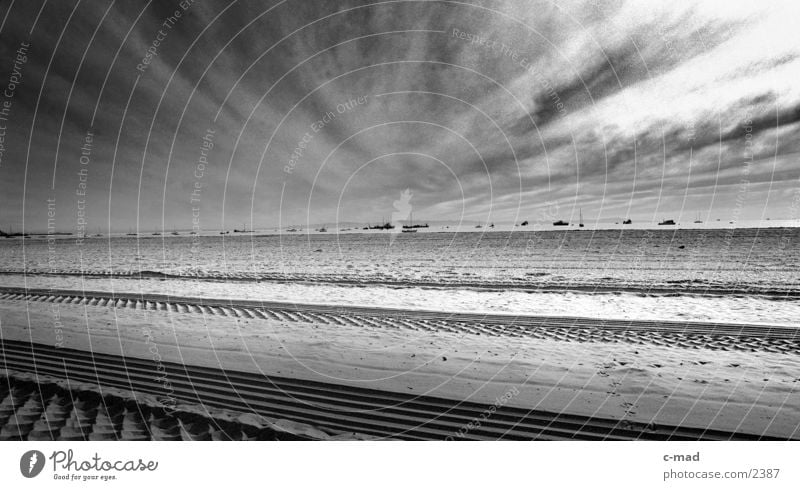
(759, 261)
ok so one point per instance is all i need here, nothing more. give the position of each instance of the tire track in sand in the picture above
(690, 335)
(335, 407)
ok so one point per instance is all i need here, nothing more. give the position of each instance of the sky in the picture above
(127, 116)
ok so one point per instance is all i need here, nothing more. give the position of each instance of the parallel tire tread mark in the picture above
(334, 406)
(714, 336)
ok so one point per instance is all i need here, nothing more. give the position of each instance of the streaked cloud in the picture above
(621, 108)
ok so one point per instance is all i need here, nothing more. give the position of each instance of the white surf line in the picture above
(705, 291)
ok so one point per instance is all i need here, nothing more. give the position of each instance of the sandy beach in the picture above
(735, 379)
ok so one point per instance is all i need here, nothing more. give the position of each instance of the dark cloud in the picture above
(580, 102)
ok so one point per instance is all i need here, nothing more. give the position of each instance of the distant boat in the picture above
(411, 225)
(292, 230)
(410, 228)
(627, 222)
(384, 226)
(667, 222)
(11, 234)
(698, 220)
(560, 223)
(525, 223)
(322, 230)
(580, 221)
